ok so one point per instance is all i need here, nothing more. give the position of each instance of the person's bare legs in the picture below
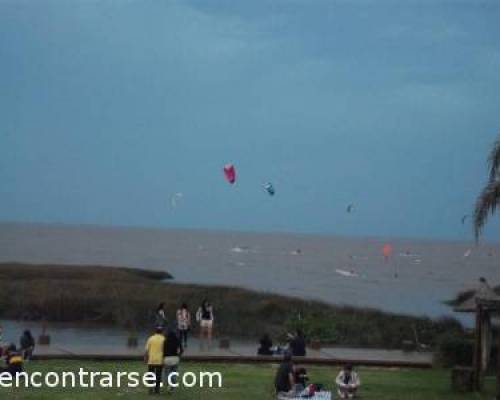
(204, 334)
(201, 338)
(343, 392)
(351, 392)
(209, 338)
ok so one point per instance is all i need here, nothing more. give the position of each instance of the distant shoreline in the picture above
(299, 234)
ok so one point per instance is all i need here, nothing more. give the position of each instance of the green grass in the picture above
(254, 382)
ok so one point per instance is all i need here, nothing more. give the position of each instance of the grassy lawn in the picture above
(252, 382)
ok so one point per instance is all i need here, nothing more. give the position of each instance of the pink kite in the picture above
(230, 173)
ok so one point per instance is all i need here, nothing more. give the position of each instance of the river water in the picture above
(416, 279)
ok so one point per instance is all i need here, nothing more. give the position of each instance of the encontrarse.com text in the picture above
(92, 379)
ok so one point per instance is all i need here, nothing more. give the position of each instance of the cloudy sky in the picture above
(107, 108)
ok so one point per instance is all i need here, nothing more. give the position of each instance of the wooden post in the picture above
(478, 349)
(498, 363)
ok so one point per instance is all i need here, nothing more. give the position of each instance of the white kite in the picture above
(174, 199)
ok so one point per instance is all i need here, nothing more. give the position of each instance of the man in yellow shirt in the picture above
(154, 356)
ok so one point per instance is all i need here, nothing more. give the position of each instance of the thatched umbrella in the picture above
(485, 303)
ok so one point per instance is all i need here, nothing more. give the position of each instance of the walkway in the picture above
(245, 352)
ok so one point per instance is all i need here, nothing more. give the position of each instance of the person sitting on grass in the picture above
(14, 360)
(348, 382)
(266, 345)
(154, 357)
(301, 378)
(284, 381)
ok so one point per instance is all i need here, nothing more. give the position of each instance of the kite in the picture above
(464, 218)
(269, 189)
(230, 173)
(387, 250)
(350, 207)
(174, 198)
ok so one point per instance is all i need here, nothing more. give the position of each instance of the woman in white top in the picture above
(183, 323)
(348, 383)
(205, 316)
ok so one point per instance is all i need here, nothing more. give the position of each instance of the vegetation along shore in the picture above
(127, 298)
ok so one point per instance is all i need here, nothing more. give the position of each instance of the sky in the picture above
(108, 108)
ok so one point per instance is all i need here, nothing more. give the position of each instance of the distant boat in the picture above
(349, 274)
(242, 249)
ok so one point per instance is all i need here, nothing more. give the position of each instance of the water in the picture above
(428, 272)
(70, 335)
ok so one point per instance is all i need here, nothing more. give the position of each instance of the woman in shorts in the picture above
(205, 316)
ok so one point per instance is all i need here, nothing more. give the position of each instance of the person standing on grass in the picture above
(284, 382)
(172, 352)
(27, 343)
(161, 316)
(348, 383)
(183, 323)
(154, 357)
(205, 316)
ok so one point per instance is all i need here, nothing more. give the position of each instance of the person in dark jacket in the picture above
(298, 344)
(172, 352)
(265, 346)
(284, 382)
(27, 343)
(161, 315)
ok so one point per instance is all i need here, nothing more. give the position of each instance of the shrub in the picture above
(454, 350)
(315, 327)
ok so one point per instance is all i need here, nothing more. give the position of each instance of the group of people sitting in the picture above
(13, 357)
(296, 345)
(292, 381)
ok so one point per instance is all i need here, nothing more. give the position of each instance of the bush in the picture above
(454, 350)
(315, 327)
(128, 298)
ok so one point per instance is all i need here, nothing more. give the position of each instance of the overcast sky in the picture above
(107, 108)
